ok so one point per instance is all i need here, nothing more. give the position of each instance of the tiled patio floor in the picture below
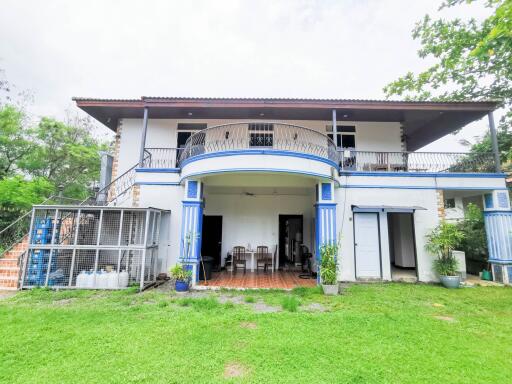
(279, 279)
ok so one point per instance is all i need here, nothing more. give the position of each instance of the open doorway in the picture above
(290, 240)
(402, 247)
(211, 241)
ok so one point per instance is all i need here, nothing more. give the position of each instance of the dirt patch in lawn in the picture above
(261, 307)
(235, 369)
(315, 307)
(438, 305)
(6, 294)
(445, 318)
(248, 325)
(223, 299)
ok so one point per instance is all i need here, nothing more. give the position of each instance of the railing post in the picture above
(494, 141)
(143, 136)
(143, 259)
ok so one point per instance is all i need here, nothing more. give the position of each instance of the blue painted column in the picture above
(325, 219)
(498, 227)
(191, 227)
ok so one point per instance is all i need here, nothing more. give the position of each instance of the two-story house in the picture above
(293, 174)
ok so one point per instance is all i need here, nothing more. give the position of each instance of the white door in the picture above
(366, 227)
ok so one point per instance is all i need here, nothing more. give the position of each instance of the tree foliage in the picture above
(474, 243)
(14, 140)
(472, 60)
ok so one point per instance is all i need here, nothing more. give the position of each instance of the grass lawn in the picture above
(376, 333)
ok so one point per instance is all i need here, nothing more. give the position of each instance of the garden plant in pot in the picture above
(182, 277)
(328, 269)
(441, 241)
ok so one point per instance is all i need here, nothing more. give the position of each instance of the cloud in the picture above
(289, 48)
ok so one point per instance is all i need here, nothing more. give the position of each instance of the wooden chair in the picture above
(263, 258)
(238, 259)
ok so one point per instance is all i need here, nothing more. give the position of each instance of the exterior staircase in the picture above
(10, 265)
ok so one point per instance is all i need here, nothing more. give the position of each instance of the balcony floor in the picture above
(256, 280)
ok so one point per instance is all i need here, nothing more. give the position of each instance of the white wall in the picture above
(255, 219)
(370, 136)
(424, 220)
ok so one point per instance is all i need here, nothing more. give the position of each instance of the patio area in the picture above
(254, 280)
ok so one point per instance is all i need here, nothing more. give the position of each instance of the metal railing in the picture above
(260, 135)
(120, 188)
(351, 160)
(162, 157)
(18, 229)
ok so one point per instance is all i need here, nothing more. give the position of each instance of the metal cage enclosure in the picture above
(90, 247)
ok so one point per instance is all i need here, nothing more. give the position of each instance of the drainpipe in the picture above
(143, 137)
(334, 119)
(494, 140)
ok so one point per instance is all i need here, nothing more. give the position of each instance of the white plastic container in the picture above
(81, 280)
(89, 280)
(113, 280)
(123, 279)
(102, 279)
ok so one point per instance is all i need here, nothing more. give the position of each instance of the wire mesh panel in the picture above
(92, 247)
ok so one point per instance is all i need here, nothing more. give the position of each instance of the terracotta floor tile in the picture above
(279, 280)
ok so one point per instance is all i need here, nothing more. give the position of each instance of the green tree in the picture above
(474, 243)
(472, 60)
(66, 155)
(14, 140)
(17, 196)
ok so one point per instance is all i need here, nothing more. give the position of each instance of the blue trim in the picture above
(503, 262)
(490, 213)
(187, 203)
(326, 191)
(262, 170)
(362, 186)
(158, 170)
(174, 183)
(489, 204)
(192, 189)
(272, 152)
(325, 204)
(424, 174)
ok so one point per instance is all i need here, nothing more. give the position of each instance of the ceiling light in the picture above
(345, 116)
(190, 113)
(262, 114)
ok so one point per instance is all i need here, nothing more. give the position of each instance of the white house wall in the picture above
(424, 220)
(162, 133)
(255, 219)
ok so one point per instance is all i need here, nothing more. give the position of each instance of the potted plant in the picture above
(181, 276)
(441, 241)
(328, 269)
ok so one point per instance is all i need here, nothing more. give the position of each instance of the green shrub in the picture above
(290, 303)
(474, 243)
(249, 299)
(441, 241)
(328, 268)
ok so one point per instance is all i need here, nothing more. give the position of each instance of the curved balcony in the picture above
(262, 136)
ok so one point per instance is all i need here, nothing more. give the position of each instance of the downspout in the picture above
(143, 137)
(494, 141)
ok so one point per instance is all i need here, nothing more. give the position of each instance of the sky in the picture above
(217, 48)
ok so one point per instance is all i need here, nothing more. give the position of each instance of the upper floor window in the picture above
(185, 130)
(261, 135)
(344, 137)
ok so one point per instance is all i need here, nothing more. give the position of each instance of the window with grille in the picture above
(261, 135)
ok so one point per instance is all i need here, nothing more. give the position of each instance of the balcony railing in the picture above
(268, 135)
(162, 157)
(416, 161)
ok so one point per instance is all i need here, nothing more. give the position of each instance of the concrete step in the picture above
(9, 283)
(7, 272)
(9, 262)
